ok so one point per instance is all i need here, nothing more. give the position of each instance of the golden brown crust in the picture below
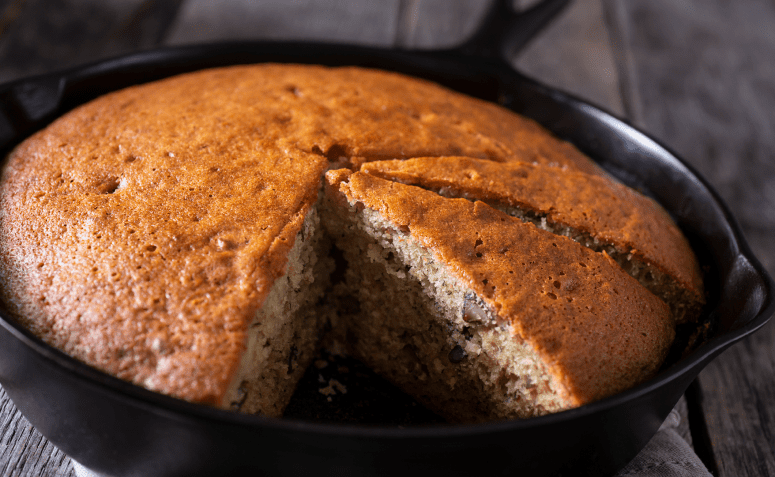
(140, 232)
(140, 238)
(599, 331)
(594, 205)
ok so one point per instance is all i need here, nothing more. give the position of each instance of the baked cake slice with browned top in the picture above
(480, 315)
(176, 234)
(593, 210)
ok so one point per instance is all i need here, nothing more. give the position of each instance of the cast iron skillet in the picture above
(114, 427)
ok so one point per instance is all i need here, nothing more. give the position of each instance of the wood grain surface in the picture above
(698, 75)
(705, 84)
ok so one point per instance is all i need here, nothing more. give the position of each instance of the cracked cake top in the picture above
(141, 231)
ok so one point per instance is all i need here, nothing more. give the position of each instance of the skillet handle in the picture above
(504, 32)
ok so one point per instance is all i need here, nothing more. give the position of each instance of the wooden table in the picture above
(698, 75)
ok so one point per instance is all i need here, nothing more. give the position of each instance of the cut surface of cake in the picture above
(479, 314)
(178, 235)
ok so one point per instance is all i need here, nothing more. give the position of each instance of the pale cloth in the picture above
(666, 455)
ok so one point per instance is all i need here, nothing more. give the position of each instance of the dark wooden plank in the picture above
(426, 24)
(405, 23)
(24, 451)
(371, 22)
(705, 75)
(700, 78)
(574, 54)
(46, 35)
(737, 393)
(146, 26)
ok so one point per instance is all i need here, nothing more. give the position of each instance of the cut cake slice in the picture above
(480, 315)
(593, 210)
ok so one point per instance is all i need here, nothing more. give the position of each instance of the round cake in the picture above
(182, 235)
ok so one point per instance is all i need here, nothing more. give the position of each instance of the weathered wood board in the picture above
(702, 79)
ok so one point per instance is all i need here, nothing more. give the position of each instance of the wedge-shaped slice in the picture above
(480, 315)
(591, 209)
(162, 252)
